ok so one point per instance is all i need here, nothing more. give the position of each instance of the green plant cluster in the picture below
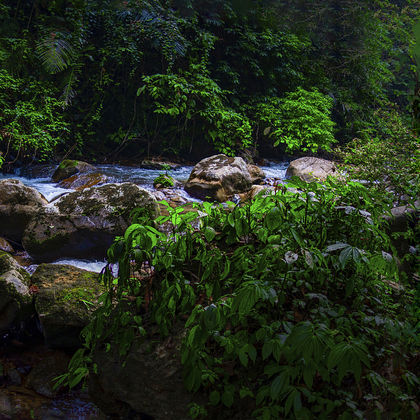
(292, 305)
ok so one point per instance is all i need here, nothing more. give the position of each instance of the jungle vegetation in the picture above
(295, 305)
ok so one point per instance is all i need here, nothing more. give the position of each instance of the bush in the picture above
(300, 120)
(289, 308)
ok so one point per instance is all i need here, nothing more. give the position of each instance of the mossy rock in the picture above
(15, 298)
(65, 300)
(68, 167)
(83, 224)
(163, 181)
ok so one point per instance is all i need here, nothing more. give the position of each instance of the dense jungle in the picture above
(209, 209)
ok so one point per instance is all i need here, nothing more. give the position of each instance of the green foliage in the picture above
(300, 120)
(30, 118)
(288, 308)
(164, 180)
(194, 99)
(386, 155)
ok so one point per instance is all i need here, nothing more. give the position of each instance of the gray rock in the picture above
(83, 224)
(218, 178)
(65, 300)
(311, 169)
(18, 205)
(15, 299)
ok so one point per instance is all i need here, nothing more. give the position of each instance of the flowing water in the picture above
(40, 178)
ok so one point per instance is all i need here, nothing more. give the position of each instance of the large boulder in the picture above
(68, 167)
(147, 380)
(65, 299)
(18, 205)
(15, 298)
(218, 178)
(311, 169)
(83, 224)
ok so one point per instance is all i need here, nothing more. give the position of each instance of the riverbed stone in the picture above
(218, 178)
(80, 181)
(68, 167)
(41, 377)
(65, 300)
(149, 379)
(311, 169)
(15, 298)
(18, 205)
(257, 174)
(83, 224)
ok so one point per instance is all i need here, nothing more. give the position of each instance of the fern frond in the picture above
(56, 54)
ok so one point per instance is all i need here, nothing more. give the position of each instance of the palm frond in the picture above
(56, 54)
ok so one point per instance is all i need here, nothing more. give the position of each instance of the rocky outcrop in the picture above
(65, 299)
(67, 168)
(18, 205)
(83, 224)
(311, 169)
(83, 180)
(218, 178)
(15, 299)
(148, 380)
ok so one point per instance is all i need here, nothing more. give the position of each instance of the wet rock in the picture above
(15, 299)
(18, 205)
(65, 300)
(257, 174)
(41, 377)
(83, 224)
(311, 169)
(5, 246)
(148, 380)
(218, 178)
(67, 168)
(80, 181)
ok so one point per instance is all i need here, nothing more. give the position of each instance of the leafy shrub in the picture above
(386, 155)
(301, 120)
(288, 304)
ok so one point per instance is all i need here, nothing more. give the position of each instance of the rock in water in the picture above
(218, 178)
(65, 300)
(15, 299)
(18, 205)
(81, 181)
(67, 168)
(257, 174)
(311, 169)
(83, 224)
